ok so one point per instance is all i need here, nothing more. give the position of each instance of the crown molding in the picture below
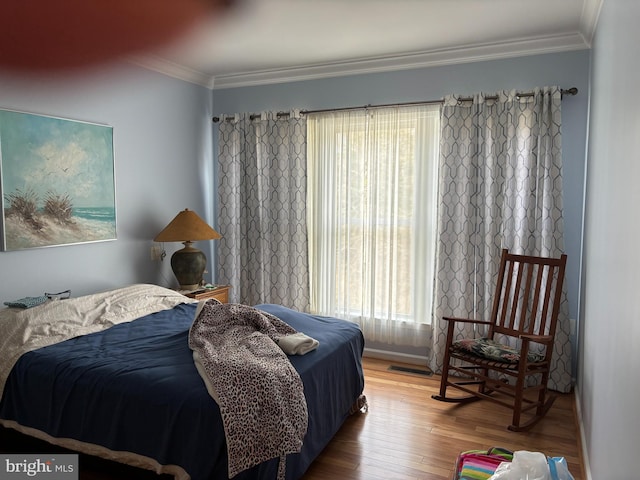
(589, 18)
(449, 56)
(171, 69)
(465, 54)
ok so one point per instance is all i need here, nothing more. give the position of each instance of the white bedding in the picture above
(55, 321)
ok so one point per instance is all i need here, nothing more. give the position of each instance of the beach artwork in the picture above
(57, 181)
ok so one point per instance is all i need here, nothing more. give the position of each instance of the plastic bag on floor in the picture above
(559, 469)
(525, 466)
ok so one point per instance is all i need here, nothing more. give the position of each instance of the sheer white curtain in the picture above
(500, 187)
(372, 177)
(262, 211)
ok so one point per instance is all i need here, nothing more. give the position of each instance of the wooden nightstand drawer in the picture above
(220, 293)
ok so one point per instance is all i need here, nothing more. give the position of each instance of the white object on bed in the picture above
(297, 344)
(24, 330)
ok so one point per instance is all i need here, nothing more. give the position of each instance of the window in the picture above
(371, 215)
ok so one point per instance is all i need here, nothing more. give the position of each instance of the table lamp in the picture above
(188, 264)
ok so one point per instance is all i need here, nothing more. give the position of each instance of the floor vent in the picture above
(416, 371)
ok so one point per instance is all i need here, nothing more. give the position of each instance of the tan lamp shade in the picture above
(187, 227)
(189, 263)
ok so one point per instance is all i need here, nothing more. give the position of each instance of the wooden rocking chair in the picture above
(525, 308)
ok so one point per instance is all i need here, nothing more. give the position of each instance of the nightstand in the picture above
(220, 293)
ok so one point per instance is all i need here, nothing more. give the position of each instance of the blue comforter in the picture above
(134, 387)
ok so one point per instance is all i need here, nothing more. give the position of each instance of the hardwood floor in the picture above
(405, 435)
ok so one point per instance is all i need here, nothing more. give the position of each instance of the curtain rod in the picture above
(253, 116)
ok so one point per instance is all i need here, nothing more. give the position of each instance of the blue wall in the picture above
(610, 326)
(162, 145)
(570, 69)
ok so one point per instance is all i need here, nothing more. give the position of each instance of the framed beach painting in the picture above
(57, 181)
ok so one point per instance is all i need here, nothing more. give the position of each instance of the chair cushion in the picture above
(492, 350)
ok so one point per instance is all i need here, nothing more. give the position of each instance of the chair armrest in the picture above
(547, 339)
(466, 320)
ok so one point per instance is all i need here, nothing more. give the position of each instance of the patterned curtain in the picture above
(500, 187)
(262, 213)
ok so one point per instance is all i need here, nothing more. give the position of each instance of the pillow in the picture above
(27, 302)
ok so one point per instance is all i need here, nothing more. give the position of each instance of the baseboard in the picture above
(583, 443)
(395, 356)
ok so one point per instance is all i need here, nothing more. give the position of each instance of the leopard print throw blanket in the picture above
(260, 394)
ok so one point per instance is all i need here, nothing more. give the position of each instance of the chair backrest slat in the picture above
(515, 297)
(536, 298)
(499, 321)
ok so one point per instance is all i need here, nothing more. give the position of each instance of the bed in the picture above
(112, 375)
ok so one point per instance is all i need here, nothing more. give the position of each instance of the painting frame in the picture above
(57, 181)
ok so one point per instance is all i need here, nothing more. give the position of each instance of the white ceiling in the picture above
(267, 41)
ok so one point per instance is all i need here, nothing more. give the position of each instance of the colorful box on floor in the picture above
(480, 464)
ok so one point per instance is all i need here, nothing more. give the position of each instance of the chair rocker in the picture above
(512, 373)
